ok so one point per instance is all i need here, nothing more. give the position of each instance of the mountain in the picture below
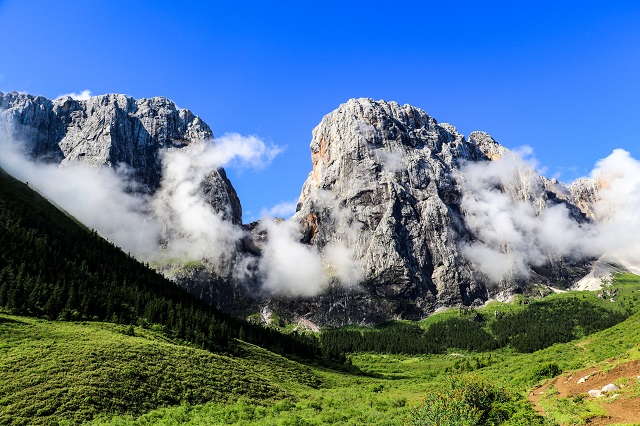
(389, 182)
(130, 137)
(113, 130)
(400, 213)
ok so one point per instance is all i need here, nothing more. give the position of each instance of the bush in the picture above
(546, 371)
(462, 402)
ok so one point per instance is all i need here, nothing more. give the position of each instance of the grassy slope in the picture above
(52, 371)
(75, 371)
(71, 372)
(396, 383)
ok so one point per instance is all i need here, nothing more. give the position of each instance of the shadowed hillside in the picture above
(52, 267)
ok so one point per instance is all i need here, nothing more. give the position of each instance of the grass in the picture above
(51, 371)
(76, 372)
(571, 411)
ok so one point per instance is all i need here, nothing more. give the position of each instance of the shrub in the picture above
(461, 402)
(546, 371)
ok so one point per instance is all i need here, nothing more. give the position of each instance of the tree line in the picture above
(52, 267)
(536, 326)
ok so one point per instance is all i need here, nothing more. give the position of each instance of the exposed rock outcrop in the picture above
(386, 181)
(584, 193)
(113, 130)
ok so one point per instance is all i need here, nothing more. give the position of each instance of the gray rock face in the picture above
(113, 130)
(386, 182)
(388, 168)
(584, 193)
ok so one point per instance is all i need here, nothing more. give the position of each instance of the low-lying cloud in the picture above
(517, 227)
(177, 224)
(96, 197)
(292, 268)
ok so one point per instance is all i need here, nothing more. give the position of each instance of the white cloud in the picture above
(617, 206)
(177, 221)
(290, 268)
(191, 227)
(82, 96)
(505, 208)
(284, 209)
(515, 229)
(96, 197)
(241, 152)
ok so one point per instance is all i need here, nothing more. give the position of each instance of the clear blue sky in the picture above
(562, 77)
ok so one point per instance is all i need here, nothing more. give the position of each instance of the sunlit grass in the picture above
(82, 365)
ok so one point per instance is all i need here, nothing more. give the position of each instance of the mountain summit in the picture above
(400, 215)
(389, 182)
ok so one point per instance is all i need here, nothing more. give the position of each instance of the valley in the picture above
(425, 278)
(71, 372)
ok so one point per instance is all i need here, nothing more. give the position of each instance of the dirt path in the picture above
(623, 409)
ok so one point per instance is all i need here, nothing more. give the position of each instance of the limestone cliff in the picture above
(386, 181)
(113, 130)
(388, 184)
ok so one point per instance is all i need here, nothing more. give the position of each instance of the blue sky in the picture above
(561, 78)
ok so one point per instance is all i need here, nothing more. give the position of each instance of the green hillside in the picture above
(88, 334)
(53, 371)
(52, 267)
(462, 387)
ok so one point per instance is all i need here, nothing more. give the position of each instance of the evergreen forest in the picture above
(52, 267)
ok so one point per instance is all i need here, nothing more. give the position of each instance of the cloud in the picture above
(515, 227)
(284, 209)
(617, 207)
(288, 267)
(241, 152)
(341, 264)
(291, 268)
(82, 96)
(96, 197)
(176, 222)
(192, 228)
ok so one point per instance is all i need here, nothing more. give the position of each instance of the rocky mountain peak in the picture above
(387, 182)
(113, 130)
(487, 145)
(382, 183)
(390, 207)
(584, 193)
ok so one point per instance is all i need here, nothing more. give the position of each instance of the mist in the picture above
(177, 224)
(191, 228)
(291, 268)
(617, 207)
(517, 228)
(97, 197)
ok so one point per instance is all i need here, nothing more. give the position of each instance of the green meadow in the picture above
(54, 372)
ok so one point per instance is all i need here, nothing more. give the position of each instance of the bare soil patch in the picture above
(622, 409)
